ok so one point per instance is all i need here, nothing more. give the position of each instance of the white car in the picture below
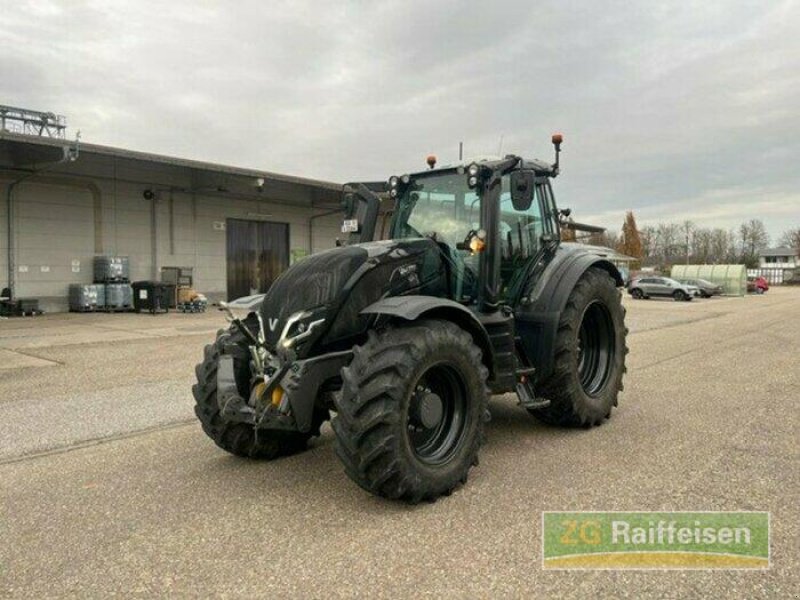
(646, 287)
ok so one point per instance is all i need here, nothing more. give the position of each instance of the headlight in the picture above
(394, 180)
(393, 192)
(472, 182)
(473, 170)
(299, 326)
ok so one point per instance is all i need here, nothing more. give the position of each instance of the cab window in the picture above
(520, 234)
(520, 231)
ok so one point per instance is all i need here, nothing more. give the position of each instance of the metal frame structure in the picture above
(32, 122)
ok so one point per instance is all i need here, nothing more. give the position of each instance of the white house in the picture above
(779, 258)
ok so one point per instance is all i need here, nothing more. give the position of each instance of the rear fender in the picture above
(552, 290)
(413, 308)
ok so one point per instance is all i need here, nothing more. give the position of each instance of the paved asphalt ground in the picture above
(109, 487)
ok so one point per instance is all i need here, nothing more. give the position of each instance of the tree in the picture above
(668, 236)
(688, 230)
(630, 242)
(753, 238)
(791, 239)
(702, 245)
(647, 235)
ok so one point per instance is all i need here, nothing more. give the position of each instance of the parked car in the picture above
(705, 289)
(757, 285)
(646, 287)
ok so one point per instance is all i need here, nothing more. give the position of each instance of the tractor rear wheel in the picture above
(410, 416)
(589, 355)
(240, 438)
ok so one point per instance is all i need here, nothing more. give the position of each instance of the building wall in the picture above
(60, 227)
(778, 262)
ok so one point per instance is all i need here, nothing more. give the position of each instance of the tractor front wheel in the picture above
(410, 416)
(240, 438)
(589, 357)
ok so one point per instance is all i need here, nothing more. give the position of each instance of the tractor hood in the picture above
(337, 284)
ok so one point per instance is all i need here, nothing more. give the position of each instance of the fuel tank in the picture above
(337, 284)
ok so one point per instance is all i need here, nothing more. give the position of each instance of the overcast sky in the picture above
(675, 110)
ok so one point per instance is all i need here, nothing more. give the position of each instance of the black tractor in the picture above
(406, 338)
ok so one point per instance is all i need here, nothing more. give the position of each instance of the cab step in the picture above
(529, 400)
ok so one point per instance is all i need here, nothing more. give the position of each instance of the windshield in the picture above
(441, 204)
(443, 207)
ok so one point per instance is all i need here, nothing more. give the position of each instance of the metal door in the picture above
(257, 252)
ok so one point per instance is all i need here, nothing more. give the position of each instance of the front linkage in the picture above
(282, 388)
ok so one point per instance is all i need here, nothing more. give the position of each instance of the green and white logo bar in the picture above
(655, 540)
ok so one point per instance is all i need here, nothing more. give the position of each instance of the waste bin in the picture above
(152, 296)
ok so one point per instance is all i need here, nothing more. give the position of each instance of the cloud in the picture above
(666, 107)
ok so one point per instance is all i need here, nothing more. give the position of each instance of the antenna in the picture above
(500, 146)
(460, 151)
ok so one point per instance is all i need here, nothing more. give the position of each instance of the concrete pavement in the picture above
(708, 421)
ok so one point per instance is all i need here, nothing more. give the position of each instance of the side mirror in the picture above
(522, 190)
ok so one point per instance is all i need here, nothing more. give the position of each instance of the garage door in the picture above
(257, 252)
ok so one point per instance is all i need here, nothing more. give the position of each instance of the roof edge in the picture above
(168, 160)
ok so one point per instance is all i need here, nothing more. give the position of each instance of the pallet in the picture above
(84, 309)
(115, 309)
(113, 281)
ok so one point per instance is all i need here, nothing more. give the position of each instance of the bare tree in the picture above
(688, 230)
(791, 239)
(753, 238)
(668, 237)
(702, 245)
(647, 235)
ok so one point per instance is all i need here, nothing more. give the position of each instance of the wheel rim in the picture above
(596, 348)
(437, 414)
(637, 293)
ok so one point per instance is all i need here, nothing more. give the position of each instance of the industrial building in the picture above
(65, 203)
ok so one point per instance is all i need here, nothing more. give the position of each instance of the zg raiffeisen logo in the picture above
(655, 540)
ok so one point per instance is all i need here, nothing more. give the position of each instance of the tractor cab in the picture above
(492, 218)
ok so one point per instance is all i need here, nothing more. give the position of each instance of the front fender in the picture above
(539, 312)
(414, 307)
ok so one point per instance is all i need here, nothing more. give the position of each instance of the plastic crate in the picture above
(112, 269)
(118, 297)
(86, 297)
